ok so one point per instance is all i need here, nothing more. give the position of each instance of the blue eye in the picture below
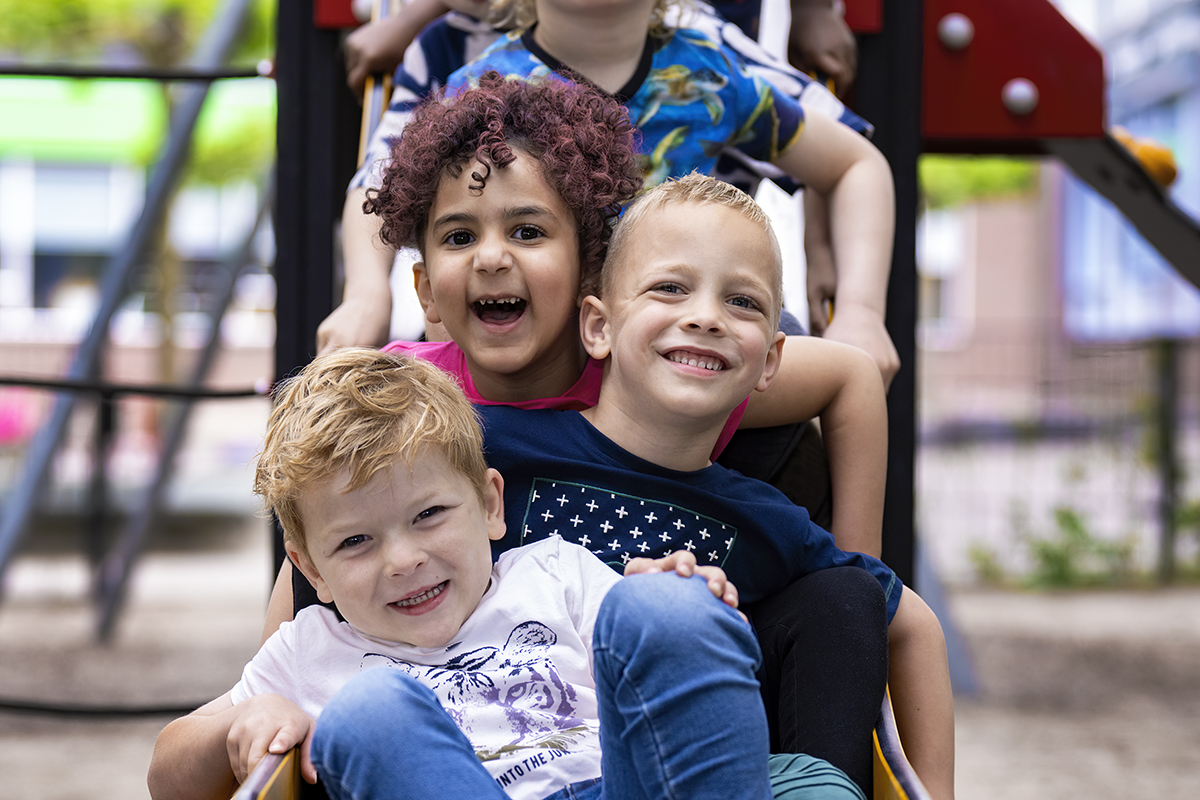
(742, 301)
(668, 288)
(353, 541)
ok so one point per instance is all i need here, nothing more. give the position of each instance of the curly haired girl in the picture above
(582, 141)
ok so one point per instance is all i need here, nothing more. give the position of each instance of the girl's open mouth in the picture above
(498, 312)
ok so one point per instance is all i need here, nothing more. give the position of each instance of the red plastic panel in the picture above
(333, 14)
(864, 16)
(1013, 39)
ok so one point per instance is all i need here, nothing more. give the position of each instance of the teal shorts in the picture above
(795, 776)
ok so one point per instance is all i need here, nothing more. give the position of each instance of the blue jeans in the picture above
(680, 712)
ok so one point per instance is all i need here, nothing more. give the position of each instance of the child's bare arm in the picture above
(378, 47)
(208, 753)
(919, 681)
(863, 330)
(821, 40)
(365, 314)
(856, 183)
(840, 384)
(281, 606)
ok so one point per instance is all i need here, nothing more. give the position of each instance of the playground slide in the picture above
(1111, 170)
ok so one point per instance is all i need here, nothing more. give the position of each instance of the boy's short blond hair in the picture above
(691, 188)
(361, 409)
(508, 14)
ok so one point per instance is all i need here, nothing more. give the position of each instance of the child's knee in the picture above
(848, 595)
(358, 704)
(665, 609)
(857, 591)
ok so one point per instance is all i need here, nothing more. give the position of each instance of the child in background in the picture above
(819, 41)
(545, 675)
(685, 323)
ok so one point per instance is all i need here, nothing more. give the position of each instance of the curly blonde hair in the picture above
(361, 409)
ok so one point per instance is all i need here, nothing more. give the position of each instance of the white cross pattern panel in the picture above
(618, 527)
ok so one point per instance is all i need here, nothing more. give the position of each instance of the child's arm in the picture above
(840, 384)
(378, 47)
(821, 41)
(919, 682)
(365, 315)
(208, 753)
(864, 331)
(281, 606)
(856, 182)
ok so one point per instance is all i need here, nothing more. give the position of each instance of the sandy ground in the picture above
(1082, 695)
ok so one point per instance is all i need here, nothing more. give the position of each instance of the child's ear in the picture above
(774, 356)
(594, 329)
(305, 565)
(493, 505)
(425, 293)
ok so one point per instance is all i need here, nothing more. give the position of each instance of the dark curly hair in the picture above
(582, 140)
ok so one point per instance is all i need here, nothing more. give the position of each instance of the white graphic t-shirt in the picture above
(517, 680)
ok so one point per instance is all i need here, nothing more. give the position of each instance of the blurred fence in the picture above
(1039, 459)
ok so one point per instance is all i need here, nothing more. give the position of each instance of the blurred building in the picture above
(74, 160)
(1042, 318)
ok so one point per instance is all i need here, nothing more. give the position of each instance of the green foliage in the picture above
(987, 565)
(1068, 558)
(1187, 522)
(1187, 516)
(948, 181)
(235, 138)
(240, 153)
(162, 32)
(1072, 557)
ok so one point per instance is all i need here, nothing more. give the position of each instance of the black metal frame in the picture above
(316, 145)
(165, 74)
(889, 94)
(207, 64)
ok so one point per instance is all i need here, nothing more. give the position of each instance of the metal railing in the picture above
(207, 65)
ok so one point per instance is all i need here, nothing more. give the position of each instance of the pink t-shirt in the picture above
(583, 394)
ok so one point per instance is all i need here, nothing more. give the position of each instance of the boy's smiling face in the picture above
(687, 317)
(406, 557)
(502, 273)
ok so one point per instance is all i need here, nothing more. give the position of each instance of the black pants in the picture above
(824, 638)
(824, 643)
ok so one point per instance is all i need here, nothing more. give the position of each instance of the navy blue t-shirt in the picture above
(563, 477)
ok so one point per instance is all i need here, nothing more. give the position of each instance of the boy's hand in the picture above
(683, 563)
(269, 723)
